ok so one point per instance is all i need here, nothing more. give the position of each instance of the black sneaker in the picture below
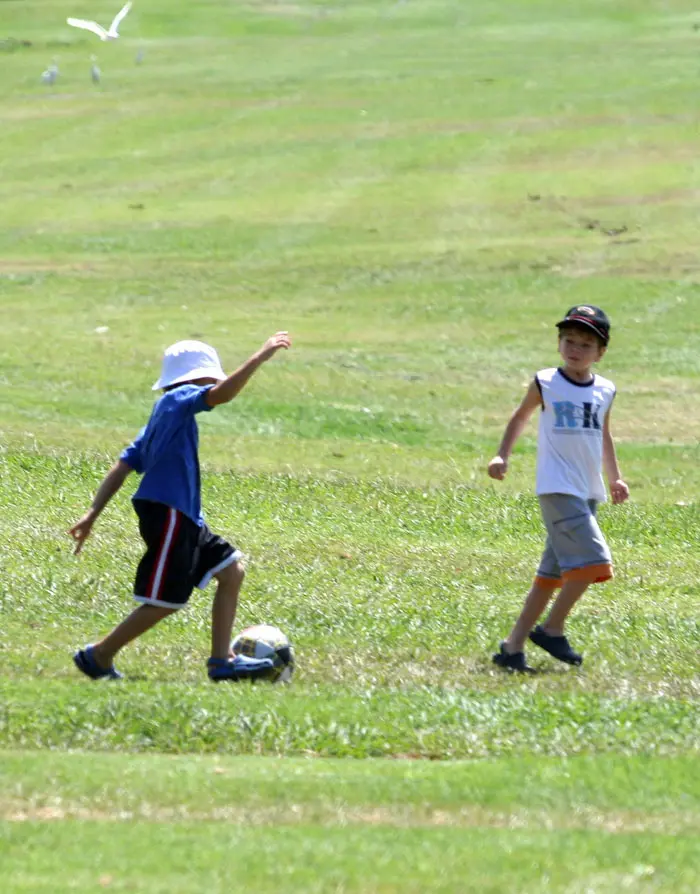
(514, 661)
(557, 646)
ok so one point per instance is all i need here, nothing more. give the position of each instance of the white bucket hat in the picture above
(187, 360)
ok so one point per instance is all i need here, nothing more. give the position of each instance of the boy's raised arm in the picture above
(225, 391)
(111, 483)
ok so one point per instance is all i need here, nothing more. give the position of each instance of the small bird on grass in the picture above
(50, 75)
(95, 72)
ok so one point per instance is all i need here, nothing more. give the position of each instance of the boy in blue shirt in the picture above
(181, 551)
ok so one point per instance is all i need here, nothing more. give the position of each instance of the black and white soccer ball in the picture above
(266, 641)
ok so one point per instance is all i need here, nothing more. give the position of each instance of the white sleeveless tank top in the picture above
(570, 437)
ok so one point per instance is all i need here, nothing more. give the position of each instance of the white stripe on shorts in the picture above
(144, 600)
(235, 557)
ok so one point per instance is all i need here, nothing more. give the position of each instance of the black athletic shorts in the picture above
(179, 555)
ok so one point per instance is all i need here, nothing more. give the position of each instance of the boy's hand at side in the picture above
(497, 468)
(499, 464)
(111, 483)
(619, 491)
(81, 530)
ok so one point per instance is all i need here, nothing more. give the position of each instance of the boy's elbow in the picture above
(122, 470)
(217, 396)
(214, 398)
(519, 419)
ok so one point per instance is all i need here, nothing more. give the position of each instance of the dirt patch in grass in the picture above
(23, 267)
(470, 816)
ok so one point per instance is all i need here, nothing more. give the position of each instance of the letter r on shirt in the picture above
(565, 414)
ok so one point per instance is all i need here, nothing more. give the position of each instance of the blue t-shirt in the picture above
(165, 452)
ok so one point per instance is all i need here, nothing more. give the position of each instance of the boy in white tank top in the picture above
(574, 447)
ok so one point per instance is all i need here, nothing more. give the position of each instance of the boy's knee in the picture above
(232, 575)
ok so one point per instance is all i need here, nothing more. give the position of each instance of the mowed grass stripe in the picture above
(331, 720)
(607, 793)
(180, 857)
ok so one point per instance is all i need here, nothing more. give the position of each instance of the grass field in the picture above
(416, 190)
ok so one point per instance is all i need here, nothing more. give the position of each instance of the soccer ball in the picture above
(266, 641)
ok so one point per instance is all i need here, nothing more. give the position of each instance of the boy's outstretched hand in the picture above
(81, 531)
(497, 468)
(230, 387)
(274, 343)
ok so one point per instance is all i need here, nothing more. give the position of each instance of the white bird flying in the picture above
(112, 33)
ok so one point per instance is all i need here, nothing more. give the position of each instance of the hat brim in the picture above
(586, 324)
(203, 372)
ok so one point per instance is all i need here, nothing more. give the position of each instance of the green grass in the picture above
(360, 858)
(417, 191)
(399, 184)
(416, 826)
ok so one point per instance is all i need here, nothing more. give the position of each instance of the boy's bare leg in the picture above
(138, 622)
(535, 603)
(569, 595)
(223, 609)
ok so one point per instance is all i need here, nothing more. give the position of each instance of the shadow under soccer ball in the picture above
(266, 641)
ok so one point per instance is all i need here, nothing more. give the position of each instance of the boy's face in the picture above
(579, 349)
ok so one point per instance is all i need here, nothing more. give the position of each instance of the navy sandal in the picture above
(514, 661)
(85, 662)
(557, 646)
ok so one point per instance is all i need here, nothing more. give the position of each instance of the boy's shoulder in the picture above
(181, 395)
(176, 405)
(546, 375)
(182, 392)
(602, 382)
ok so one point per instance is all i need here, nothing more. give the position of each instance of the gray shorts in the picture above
(575, 547)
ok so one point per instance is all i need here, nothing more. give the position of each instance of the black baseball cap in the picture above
(590, 317)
